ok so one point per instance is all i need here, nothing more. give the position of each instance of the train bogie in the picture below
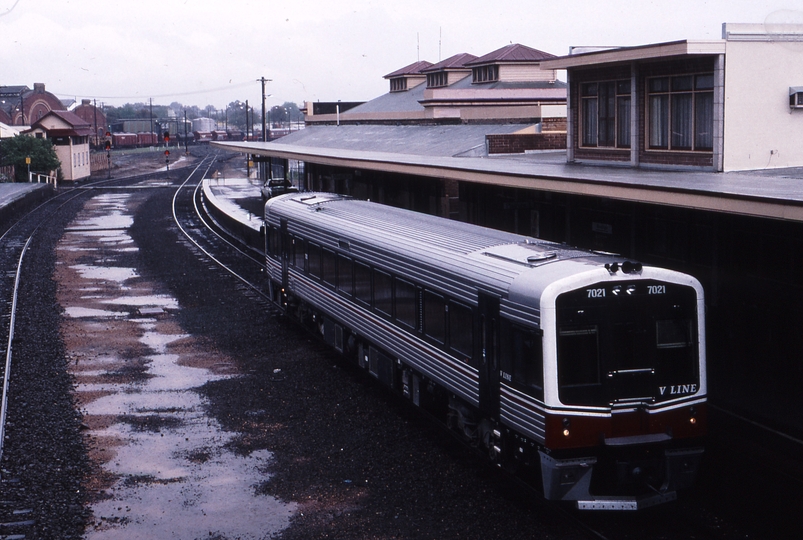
(586, 371)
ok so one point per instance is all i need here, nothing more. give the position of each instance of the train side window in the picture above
(406, 303)
(362, 283)
(383, 293)
(461, 330)
(345, 279)
(274, 242)
(299, 253)
(314, 262)
(522, 360)
(328, 267)
(435, 316)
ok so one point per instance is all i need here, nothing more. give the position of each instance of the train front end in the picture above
(624, 386)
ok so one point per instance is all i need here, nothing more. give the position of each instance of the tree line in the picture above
(234, 115)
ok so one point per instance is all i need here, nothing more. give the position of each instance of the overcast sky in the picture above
(210, 52)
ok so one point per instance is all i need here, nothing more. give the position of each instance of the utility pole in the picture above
(95, 111)
(264, 126)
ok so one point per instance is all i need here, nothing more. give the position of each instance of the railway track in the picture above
(207, 236)
(20, 506)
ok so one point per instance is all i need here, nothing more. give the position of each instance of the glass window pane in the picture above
(344, 277)
(527, 361)
(682, 84)
(578, 357)
(659, 121)
(406, 305)
(314, 262)
(299, 253)
(434, 316)
(273, 242)
(704, 82)
(704, 121)
(623, 87)
(329, 268)
(590, 122)
(607, 113)
(461, 330)
(659, 85)
(681, 121)
(589, 89)
(383, 293)
(362, 283)
(623, 122)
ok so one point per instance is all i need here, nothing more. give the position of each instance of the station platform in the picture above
(16, 197)
(237, 205)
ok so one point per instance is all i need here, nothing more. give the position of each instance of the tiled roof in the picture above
(71, 118)
(413, 69)
(512, 53)
(453, 62)
(78, 126)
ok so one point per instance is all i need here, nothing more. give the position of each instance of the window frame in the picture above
(604, 114)
(698, 100)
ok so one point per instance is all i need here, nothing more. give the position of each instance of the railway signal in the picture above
(109, 154)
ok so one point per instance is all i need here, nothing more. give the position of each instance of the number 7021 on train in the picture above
(577, 368)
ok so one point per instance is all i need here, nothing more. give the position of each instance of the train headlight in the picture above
(566, 424)
(693, 416)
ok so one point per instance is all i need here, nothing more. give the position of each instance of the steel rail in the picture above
(14, 298)
(71, 194)
(7, 371)
(208, 227)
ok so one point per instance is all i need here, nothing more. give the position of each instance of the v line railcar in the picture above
(573, 365)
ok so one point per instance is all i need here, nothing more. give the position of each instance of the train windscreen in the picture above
(631, 341)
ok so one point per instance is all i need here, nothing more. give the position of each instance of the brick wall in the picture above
(518, 143)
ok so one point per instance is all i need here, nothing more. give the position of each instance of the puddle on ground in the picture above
(166, 468)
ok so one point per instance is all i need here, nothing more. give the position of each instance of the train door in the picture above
(488, 306)
(285, 252)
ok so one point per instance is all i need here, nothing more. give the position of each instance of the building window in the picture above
(485, 74)
(398, 85)
(605, 110)
(681, 112)
(437, 80)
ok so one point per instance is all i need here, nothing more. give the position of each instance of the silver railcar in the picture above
(578, 366)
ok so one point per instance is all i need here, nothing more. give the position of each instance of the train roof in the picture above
(489, 257)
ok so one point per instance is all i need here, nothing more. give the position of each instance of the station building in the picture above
(70, 136)
(685, 155)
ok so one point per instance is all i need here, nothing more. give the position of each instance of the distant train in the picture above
(122, 140)
(576, 368)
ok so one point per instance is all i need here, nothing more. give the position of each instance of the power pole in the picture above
(264, 126)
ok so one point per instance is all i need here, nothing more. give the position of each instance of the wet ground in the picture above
(163, 466)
